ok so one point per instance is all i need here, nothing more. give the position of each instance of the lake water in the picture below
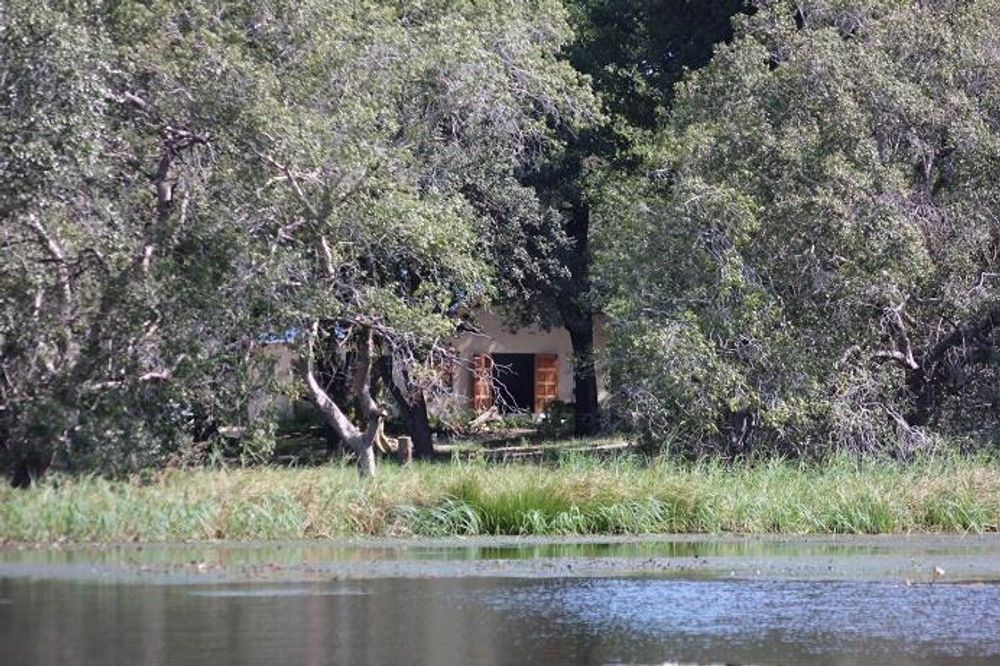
(880, 601)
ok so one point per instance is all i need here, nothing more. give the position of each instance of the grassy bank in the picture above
(577, 495)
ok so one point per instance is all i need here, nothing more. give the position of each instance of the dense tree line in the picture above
(795, 240)
(186, 179)
(811, 256)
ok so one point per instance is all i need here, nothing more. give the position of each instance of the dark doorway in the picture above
(514, 382)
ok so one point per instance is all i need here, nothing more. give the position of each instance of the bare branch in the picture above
(363, 379)
(907, 361)
(327, 255)
(58, 255)
(327, 407)
(965, 335)
(903, 353)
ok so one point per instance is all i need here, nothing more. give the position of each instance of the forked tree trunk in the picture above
(361, 442)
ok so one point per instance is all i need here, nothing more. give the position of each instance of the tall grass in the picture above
(576, 495)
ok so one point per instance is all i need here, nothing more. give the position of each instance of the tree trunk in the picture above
(333, 371)
(417, 424)
(578, 318)
(586, 410)
(362, 443)
(930, 378)
(366, 458)
(923, 393)
(737, 427)
(412, 407)
(405, 451)
(29, 466)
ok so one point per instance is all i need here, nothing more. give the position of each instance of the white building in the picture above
(519, 370)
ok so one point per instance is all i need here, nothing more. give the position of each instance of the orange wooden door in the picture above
(546, 381)
(482, 382)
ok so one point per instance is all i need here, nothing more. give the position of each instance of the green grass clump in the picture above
(573, 495)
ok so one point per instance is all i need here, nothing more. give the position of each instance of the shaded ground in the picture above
(306, 446)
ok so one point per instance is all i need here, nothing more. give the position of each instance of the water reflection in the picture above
(498, 621)
(252, 593)
(768, 621)
(284, 553)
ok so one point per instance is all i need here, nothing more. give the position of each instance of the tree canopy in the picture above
(187, 178)
(787, 209)
(810, 259)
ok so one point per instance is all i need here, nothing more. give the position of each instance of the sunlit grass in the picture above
(576, 495)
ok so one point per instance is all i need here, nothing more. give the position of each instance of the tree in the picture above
(258, 169)
(811, 255)
(634, 52)
(452, 102)
(116, 240)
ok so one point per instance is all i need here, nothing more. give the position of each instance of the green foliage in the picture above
(808, 260)
(637, 50)
(183, 179)
(558, 421)
(797, 245)
(107, 282)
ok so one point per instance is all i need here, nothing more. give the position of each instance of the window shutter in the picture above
(482, 382)
(546, 381)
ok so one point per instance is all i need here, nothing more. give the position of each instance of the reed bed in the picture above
(573, 495)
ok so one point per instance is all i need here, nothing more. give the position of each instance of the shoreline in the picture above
(897, 559)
